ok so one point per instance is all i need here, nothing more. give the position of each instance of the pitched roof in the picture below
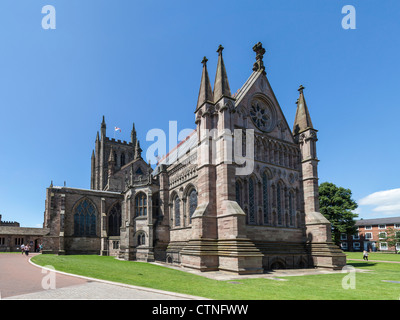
(370, 222)
(23, 231)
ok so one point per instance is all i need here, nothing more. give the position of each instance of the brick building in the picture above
(372, 235)
(198, 208)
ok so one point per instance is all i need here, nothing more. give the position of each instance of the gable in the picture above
(257, 108)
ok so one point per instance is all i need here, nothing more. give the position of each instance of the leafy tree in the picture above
(391, 237)
(337, 206)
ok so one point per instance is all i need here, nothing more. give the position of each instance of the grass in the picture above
(369, 285)
(374, 256)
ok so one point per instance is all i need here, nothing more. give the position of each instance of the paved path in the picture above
(20, 279)
(375, 260)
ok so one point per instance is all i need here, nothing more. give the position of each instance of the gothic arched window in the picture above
(177, 211)
(291, 209)
(252, 216)
(238, 190)
(85, 219)
(114, 220)
(141, 239)
(279, 203)
(265, 197)
(192, 203)
(122, 159)
(141, 204)
(156, 205)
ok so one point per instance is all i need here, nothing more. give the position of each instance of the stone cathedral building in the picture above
(196, 209)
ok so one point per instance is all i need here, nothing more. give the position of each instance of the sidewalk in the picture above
(20, 279)
(375, 260)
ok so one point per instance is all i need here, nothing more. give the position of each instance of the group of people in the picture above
(26, 248)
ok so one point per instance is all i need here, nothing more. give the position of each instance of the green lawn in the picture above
(374, 256)
(369, 285)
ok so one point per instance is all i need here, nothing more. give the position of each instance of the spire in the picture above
(259, 64)
(111, 158)
(138, 150)
(103, 128)
(205, 92)
(221, 84)
(133, 134)
(302, 120)
(111, 163)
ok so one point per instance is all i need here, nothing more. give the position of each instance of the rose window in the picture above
(261, 116)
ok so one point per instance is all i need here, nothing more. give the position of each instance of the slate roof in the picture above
(371, 222)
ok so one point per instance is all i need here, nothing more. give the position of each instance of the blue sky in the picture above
(140, 61)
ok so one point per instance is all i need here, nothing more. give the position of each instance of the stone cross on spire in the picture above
(205, 92)
(302, 120)
(219, 50)
(259, 64)
(221, 83)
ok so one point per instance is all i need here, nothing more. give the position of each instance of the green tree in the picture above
(391, 237)
(337, 206)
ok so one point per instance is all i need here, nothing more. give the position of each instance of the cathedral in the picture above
(240, 194)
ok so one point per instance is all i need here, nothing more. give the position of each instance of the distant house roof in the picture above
(370, 222)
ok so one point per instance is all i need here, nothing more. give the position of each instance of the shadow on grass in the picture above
(361, 264)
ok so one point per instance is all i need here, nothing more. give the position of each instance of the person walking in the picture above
(22, 249)
(365, 255)
(27, 250)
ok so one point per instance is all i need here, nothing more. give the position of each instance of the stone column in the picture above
(61, 250)
(150, 254)
(324, 253)
(103, 228)
(201, 252)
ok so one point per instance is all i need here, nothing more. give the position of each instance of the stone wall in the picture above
(59, 218)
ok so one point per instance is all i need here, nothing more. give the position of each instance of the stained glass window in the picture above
(141, 205)
(85, 219)
(265, 198)
(291, 209)
(156, 205)
(252, 215)
(279, 203)
(238, 193)
(192, 203)
(177, 204)
(114, 220)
